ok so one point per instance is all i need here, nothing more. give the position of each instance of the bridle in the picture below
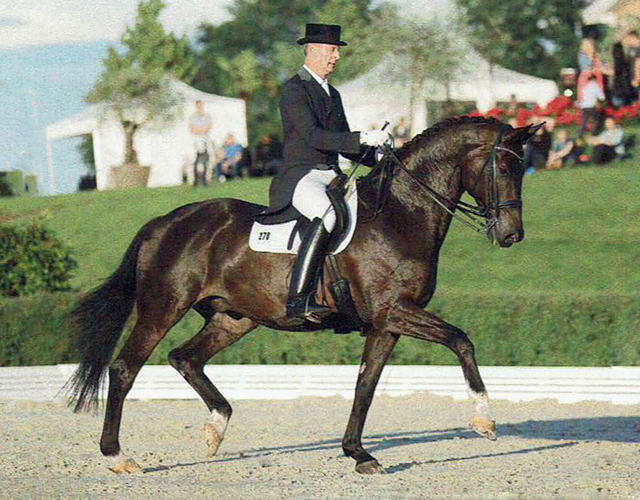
(471, 215)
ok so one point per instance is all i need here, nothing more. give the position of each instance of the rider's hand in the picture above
(374, 138)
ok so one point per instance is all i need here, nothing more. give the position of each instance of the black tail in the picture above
(98, 320)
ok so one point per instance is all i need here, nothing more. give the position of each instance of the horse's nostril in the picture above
(515, 237)
(512, 238)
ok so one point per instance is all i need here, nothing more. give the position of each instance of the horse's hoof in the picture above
(484, 427)
(128, 466)
(370, 467)
(213, 439)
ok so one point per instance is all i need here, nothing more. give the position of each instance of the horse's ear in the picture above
(522, 134)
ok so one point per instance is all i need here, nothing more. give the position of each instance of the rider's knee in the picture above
(329, 220)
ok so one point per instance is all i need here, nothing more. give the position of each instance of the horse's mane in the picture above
(434, 132)
(427, 147)
(428, 138)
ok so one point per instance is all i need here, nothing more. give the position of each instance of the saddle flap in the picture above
(285, 237)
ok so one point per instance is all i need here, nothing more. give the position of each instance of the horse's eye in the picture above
(503, 171)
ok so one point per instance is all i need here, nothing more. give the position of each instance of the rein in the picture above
(470, 215)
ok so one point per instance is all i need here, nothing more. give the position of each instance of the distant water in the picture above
(39, 86)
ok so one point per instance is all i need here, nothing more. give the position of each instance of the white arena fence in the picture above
(619, 385)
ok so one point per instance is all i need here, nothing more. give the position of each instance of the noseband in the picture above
(491, 213)
(470, 215)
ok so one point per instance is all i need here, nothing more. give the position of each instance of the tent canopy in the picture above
(167, 147)
(600, 12)
(376, 96)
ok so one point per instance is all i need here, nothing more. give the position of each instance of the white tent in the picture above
(167, 147)
(611, 12)
(377, 96)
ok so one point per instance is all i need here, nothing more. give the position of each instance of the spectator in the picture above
(268, 156)
(561, 151)
(632, 42)
(536, 152)
(590, 66)
(200, 126)
(228, 168)
(245, 164)
(512, 106)
(400, 133)
(591, 95)
(609, 144)
(622, 92)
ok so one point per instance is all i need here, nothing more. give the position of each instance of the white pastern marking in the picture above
(481, 400)
(117, 458)
(363, 368)
(219, 422)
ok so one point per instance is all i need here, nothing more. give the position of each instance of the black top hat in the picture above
(322, 33)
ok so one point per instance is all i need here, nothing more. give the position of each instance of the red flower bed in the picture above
(564, 111)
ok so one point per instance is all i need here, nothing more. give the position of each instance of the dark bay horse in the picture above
(198, 257)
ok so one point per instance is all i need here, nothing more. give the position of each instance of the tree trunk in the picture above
(130, 154)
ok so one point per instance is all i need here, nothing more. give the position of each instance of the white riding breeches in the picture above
(311, 200)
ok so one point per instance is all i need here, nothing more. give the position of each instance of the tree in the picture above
(135, 85)
(85, 148)
(537, 37)
(413, 59)
(254, 53)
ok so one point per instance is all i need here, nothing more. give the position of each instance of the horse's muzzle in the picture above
(510, 239)
(505, 235)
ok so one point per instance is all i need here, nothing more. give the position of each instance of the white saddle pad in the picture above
(274, 238)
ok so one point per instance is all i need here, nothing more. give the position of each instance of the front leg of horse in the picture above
(378, 347)
(409, 319)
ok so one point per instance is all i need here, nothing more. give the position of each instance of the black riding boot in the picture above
(301, 302)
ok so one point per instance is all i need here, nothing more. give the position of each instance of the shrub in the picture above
(33, 259)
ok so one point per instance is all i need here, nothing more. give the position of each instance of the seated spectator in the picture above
(400, 133)
(268, 156)
(512, 106)
(244, 166)
(536, 151)
(228, 168)
(591, 96)
(579, 151)
(609, 145)
(561, 151)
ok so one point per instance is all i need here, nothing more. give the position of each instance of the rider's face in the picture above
(322, 58)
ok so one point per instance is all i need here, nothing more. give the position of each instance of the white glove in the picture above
(374, 137)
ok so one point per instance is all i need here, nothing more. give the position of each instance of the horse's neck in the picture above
(441, 176)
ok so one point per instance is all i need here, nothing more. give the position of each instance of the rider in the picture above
(315, 130)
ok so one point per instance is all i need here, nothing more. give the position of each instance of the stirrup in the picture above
(304, 306)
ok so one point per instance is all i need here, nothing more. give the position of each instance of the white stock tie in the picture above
(325, 85)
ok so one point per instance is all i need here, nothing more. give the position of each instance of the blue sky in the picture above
(53, 22)
(38, 86)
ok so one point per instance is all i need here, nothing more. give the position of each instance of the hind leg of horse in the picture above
(377, 349)
(409, 319)
(190, 358)
(122, 373)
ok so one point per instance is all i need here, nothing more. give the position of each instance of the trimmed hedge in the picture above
(33, 259)
(527, 330)
(32, 330)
